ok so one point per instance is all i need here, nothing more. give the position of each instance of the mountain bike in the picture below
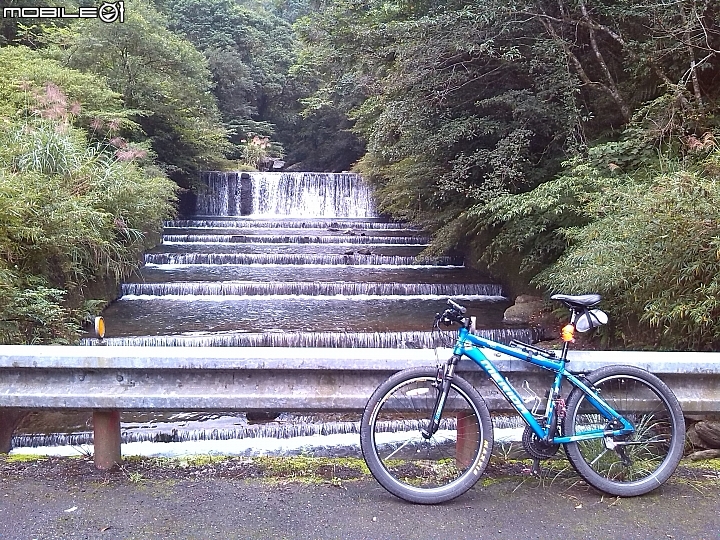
(427, 436)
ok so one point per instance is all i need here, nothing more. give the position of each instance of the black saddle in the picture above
(582, 301)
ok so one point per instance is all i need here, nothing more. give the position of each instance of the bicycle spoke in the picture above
(594, 461)
(423, 469)
(654, 448)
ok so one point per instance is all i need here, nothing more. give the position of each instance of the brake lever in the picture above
(436, 323)
(442, 318)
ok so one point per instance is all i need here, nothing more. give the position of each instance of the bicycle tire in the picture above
(419, 470)
(654, 449)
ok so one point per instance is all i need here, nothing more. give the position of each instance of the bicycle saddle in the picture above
(581, 301)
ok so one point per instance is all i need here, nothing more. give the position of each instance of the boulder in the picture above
(709, 432)
(694, 439)
(523, 310)
(528, 299)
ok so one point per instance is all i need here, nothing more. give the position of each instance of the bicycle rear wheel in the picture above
(632, 464)
(408, 465)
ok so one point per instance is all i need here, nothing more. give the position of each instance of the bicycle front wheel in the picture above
(632, 464)
(402, 460)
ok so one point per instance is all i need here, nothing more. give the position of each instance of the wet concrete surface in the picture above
(43, 501)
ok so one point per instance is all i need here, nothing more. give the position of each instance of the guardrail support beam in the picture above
(106, 425)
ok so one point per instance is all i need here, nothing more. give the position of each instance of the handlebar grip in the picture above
(456, 306)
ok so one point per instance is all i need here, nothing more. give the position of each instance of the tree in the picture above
(161, 76)
(455, 103)
(249, 50)
(76, 208)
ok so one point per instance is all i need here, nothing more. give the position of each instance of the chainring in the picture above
(537, 448)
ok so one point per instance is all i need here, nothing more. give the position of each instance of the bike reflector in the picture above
(591, 319)
(568, 332)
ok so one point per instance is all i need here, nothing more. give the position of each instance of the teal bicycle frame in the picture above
(470, 346)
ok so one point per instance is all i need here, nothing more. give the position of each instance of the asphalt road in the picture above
(96, 506)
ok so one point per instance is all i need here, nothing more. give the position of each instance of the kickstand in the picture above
(535, 470)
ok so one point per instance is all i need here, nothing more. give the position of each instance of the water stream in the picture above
(285, 259)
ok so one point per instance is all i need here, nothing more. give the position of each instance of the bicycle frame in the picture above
(470, 346)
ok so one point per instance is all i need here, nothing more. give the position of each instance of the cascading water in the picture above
(285, 194)
(299, 260)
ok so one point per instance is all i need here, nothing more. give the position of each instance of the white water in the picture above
(175, 266)
(335, 445)
(302, 194)
(311, 195)
(344, 297)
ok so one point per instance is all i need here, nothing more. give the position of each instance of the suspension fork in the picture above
(442, 384)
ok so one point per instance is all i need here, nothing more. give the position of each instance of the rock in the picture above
(524, 308)
(695, 439)
(704, 454)
(364, 251)
(260, 417)
(528, 299)
(709, 432)
(349, 252)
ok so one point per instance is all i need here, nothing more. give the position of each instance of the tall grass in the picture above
(72, 214)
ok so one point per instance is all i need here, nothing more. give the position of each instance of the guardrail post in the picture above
(9, 420)
(106, 425)
(466, 438)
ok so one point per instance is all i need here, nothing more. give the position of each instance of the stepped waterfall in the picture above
(286, 260)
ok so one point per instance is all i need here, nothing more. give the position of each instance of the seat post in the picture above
(566, 344)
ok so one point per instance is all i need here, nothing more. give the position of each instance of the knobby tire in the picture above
(653, 450)
(419, 470)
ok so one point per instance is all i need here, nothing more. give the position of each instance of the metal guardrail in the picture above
(283, 379)
(291, 379)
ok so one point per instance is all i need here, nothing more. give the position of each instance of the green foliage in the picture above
(72, 214)
(24, 76)
(632, 220)
(249, 50)
(32, 313)
(452, 89)
(654, 253)
(161, 76)
(32, 32)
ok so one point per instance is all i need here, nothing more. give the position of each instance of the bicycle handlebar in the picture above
(452, 314)
(457, 307)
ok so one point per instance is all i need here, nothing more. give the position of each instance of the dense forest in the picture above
(567, 146)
